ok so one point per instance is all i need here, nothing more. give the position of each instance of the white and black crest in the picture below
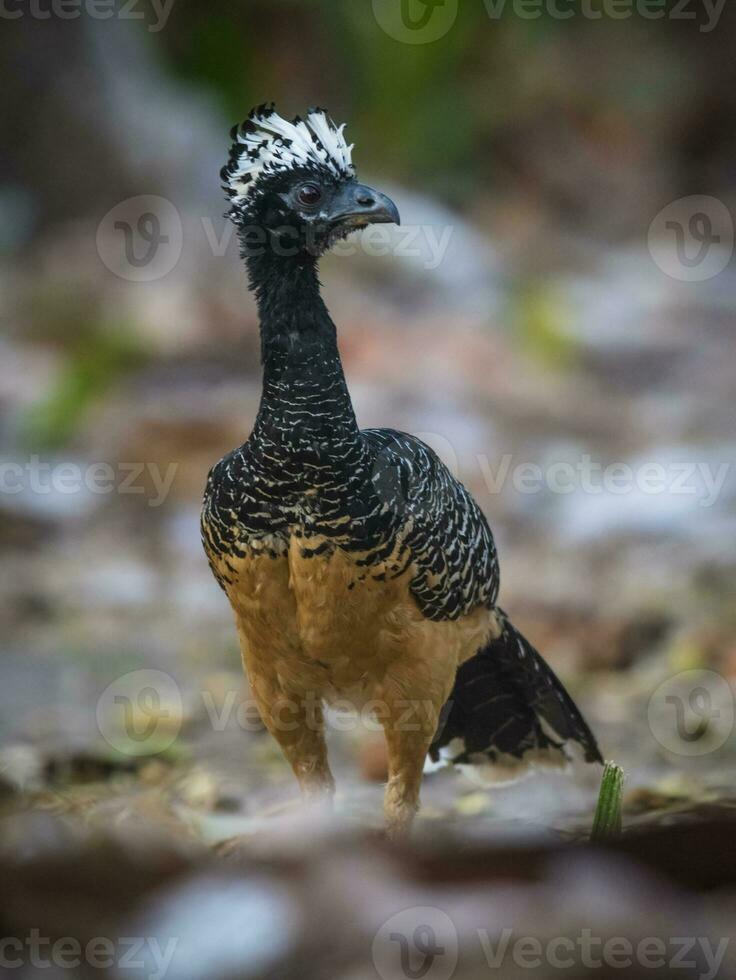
(266, 144)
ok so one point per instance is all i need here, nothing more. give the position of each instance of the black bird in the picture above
(357, 566)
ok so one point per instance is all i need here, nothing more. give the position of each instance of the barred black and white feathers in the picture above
(445, 532)
(382, 493)
(266, 144)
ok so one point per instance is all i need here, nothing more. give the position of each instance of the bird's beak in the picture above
(359, 205)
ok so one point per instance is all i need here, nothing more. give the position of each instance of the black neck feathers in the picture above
(304, 390)
(286, 288)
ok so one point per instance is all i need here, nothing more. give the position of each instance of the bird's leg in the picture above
(409, 726)
(297, 724)
(306, 752)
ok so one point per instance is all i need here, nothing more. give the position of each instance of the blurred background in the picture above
(555, 316)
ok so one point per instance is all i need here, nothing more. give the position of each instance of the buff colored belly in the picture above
(328, 629)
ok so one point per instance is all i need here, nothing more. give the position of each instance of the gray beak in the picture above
(359, 205)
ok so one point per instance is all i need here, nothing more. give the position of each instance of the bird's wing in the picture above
(449, 539)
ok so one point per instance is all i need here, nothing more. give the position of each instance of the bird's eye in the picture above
(309, 194)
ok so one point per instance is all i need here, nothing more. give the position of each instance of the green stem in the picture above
(607, 821)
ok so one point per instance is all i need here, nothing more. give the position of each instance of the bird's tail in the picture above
(508, 712)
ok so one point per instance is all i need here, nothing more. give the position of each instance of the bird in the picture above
(357, 566)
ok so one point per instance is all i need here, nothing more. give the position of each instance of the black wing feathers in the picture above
(507, 704)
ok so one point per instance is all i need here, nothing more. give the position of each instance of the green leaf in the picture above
(607, 821)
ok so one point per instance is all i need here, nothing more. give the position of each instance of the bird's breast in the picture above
(327, 618)
(333, 626)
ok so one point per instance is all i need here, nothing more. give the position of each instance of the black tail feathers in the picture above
(510, 711)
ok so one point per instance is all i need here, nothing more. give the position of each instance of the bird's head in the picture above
(292, 185)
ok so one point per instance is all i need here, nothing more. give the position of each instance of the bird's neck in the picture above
(304, 389)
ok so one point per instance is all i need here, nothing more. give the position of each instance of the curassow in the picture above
(357, 566)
